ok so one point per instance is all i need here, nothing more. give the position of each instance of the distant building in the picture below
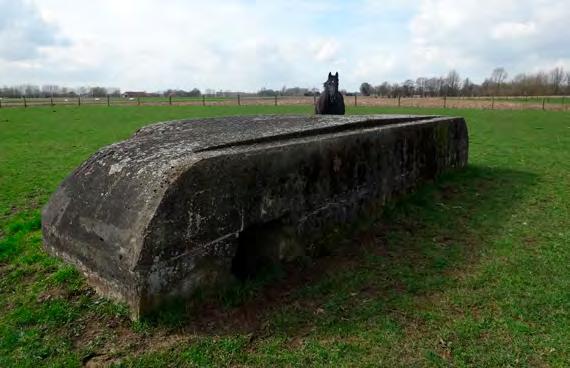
(131, 94)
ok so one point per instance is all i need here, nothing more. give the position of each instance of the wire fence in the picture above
(546, 103)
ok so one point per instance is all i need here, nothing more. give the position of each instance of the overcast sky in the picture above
(249, 44)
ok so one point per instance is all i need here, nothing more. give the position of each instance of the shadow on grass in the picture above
(417, 246)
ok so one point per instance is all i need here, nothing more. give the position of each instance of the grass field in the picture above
(472, 270)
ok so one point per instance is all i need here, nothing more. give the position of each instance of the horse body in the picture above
(331, 101)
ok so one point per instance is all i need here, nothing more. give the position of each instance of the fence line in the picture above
(546, 103)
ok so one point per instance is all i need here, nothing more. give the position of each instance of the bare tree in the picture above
(432, 87)
(97, 92)
(408, 88)
(467, 87)
(384, 89)
(421, 85)
(499, 76)
(29, 90)
(114, 91)
(557, 76)
(441, 86)
(452, 81)
(366, 89)
(396, 90)
(539, 84)
(521, 84)
(50, 90)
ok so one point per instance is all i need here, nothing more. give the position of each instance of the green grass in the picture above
(471, 270)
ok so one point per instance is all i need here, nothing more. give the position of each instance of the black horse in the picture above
(331, 101)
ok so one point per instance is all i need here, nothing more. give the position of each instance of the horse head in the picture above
(331, 101)
(331, 86)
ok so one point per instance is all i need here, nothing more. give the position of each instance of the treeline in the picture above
(50, 90)
(46, 91)
(180, 93)
(293, 91)
(549, 83)
(552, 83)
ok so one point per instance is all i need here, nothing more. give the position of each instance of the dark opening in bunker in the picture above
(262, 247)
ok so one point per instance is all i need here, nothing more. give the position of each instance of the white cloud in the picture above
(327, 50)
(223, 44)
(513, 30)
(249, 44)
(475, 36)
(23, 32)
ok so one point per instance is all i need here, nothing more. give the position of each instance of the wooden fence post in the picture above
(108, 101)
(51, 101)
(355, 102)
(0, 103)
(170, 100)
(275, 100)
(445, 102)
(203, 100)
(493, 103)
(544, 104)
(399, 100)
(78, 100)
(138, 101)
(563, 103)
(314, 98)
(239, 101)
(25, 102)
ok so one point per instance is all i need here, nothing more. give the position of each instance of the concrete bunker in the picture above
(184, 205)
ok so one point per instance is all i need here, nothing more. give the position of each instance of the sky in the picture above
(252, 44)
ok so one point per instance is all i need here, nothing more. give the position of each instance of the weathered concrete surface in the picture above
(189, 204)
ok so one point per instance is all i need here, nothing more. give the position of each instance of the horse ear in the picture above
(336, 75)
(330, 74)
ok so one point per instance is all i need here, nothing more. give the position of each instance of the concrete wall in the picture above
(189, 204)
